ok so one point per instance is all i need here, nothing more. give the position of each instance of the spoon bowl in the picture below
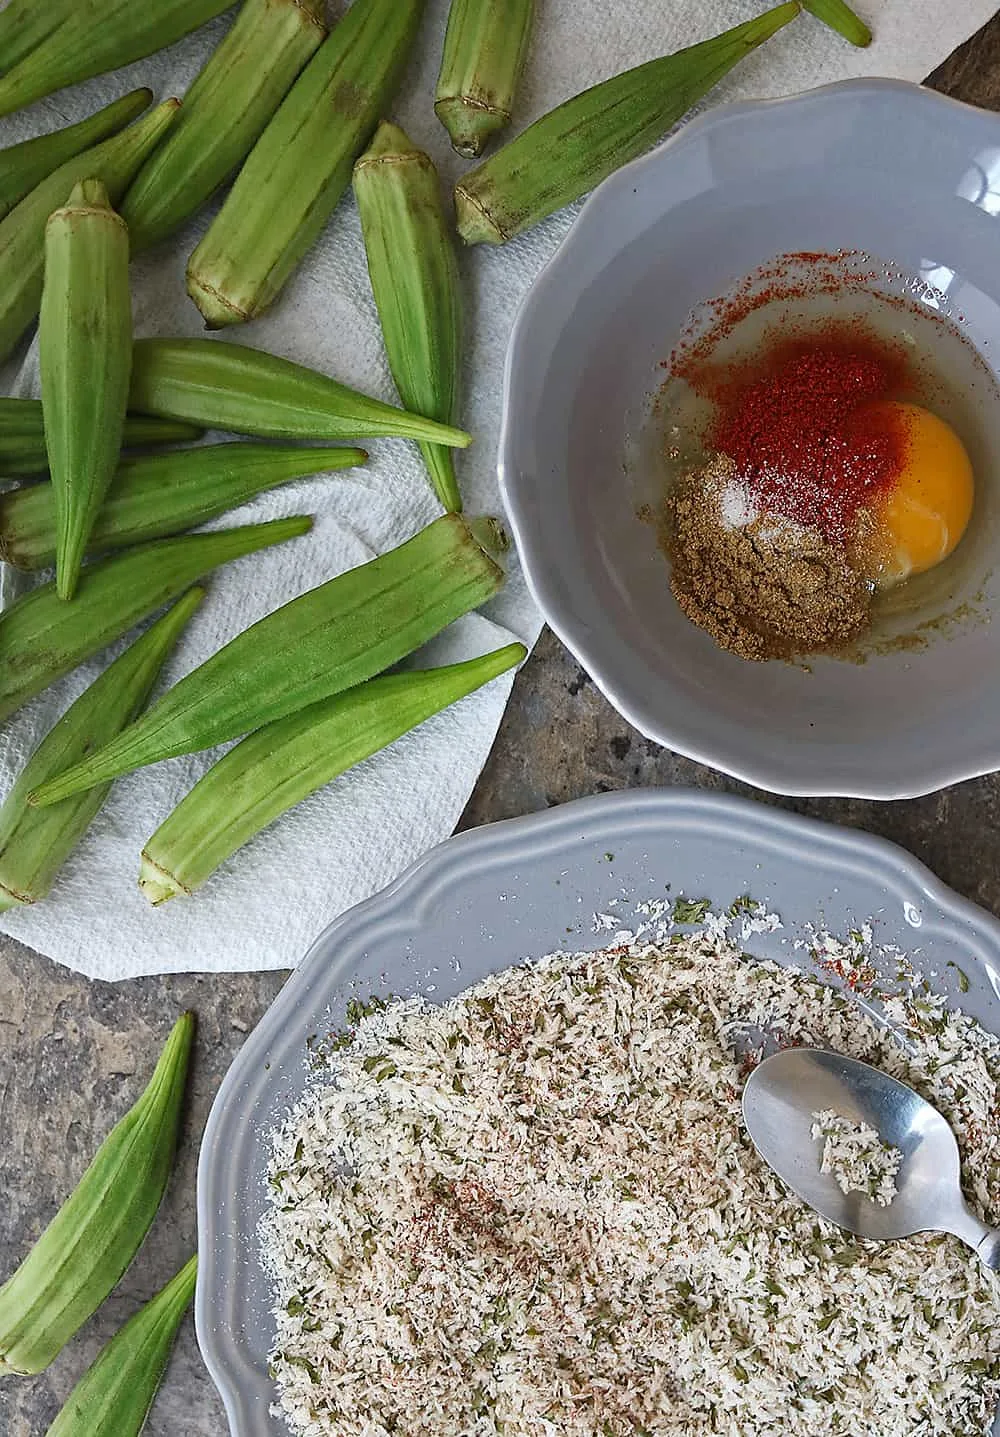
(780, 1101)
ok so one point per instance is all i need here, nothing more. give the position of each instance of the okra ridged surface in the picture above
(155, 495)
(84, 359)
(224, 112)
(24, 24)
(22, 435)
(93, 1237)
(24, 166)
(282, 763)
(300, 167)
(22, 232)
(572, 148)
(485, 47)
(415, 281)
(35, 842)
(95, 36)
(42, 637)
(325, 641)
(244, 390)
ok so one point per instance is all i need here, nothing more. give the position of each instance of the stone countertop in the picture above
(74, 1053)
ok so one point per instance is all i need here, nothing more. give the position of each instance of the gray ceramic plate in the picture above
(489, 898)
(875, 165)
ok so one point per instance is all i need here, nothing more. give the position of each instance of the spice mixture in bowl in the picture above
(809, 467)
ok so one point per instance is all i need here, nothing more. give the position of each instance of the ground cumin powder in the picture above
(762, 585)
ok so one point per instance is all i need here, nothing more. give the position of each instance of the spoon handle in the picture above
(989, 1250)
(983, 1239)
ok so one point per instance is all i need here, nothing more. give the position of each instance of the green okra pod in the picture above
(96, 1233)
(282, 763)
(22, 232)
(35, 842)
(42, 638)
(113, 1397)
(224, 112)
(84, 359)
(485, 46)
(328, 639)
(24, 24)
(243, 390)
(156, 495)
(22, 435)
(572, 148)
(95, 36)
(24, 166)
(300, 167)
(414, 276)
(840, 17)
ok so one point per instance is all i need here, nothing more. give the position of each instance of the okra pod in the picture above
(113, 1397)
(22, 232)
(95, 37)
(282, 763)
(24, 166)
(96, 1233)
(840, 17)
(225, 110)
(325, 641)
(243, 390)
(84, 359)
(24, 24)
(22, 435)
(485, 46)
(35, 842)
(301, 165)
(155, 495)
(42, 638)
(572, 148)
(414, 276)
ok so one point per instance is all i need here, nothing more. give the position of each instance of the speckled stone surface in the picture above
(74, 1054)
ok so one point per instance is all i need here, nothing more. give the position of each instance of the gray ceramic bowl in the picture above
(876, 165)
(492, 897)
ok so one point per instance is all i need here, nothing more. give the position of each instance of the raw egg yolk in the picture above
(917, 522)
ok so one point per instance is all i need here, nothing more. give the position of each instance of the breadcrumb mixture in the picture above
(856, 1157)
(533, 1211)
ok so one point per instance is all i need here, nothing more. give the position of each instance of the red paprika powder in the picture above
(808, 436)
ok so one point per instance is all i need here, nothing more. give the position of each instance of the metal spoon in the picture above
(779, 1100)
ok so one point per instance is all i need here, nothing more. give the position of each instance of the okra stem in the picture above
(485, 47)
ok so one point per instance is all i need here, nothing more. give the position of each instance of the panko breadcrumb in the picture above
(856, 1157)
(534, 1211)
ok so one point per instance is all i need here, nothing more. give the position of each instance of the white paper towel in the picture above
(263, 909)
